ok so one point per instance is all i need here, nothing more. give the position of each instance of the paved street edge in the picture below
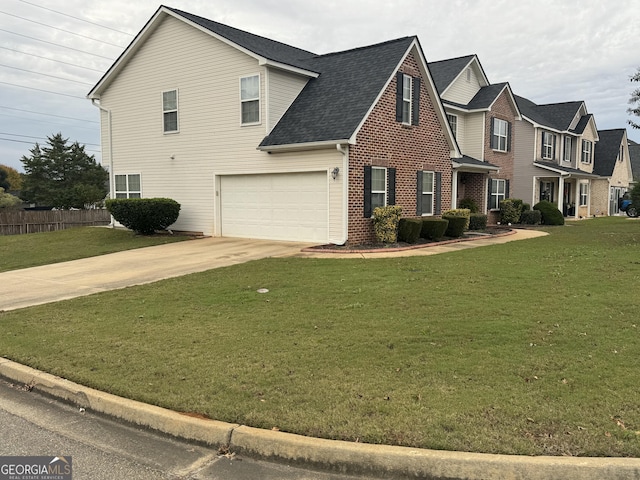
(332, 455)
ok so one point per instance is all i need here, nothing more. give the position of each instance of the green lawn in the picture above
(531, 347)
(22, 251)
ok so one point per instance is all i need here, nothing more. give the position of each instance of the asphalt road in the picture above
(103, 449)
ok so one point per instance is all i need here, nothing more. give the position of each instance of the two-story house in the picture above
(554, 155)
(613, 166)
(482, 117)
(256, 138)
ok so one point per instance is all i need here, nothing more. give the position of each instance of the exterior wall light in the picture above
(335, 172)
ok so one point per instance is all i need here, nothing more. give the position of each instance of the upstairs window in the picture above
(500, 135)
(568, 148)
(621, 153)
(453, 123)
(587, 148)
(250, 99)
(128, 186)
(170, 111)
(407, 99)
(548, 146)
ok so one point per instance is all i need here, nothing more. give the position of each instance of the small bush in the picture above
(434, 228)
(409, 229)
(458, 212)
(477, 221)
(144, 215)
(510, 210)
(531, 217)
(550, 213)
(470, 204)
(385, 223)
(456, 227)
(526, 207)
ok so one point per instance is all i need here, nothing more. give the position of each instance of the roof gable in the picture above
(607, 150)
(444, 72)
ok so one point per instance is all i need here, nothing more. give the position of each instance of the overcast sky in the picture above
(53, 52)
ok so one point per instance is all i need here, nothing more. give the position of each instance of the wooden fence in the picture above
(17, 222)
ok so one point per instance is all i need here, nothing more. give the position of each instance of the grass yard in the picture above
(531, 347)
(23, 251)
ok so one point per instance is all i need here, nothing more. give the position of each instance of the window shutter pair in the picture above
(415, 101)
(391, 189)
(437, 209)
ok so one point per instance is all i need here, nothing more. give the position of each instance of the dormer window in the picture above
(568, 147)
(548, 146)
(586, 151)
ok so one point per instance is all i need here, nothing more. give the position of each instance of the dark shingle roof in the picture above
(269, 49)
(554, 115)
(634, 156)
(332, 106)
(486, 96)
(606, 151)
(445, 71)
(582, 124)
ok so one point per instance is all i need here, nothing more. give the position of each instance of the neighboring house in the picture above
(634, 155)
(255, 138)
(482, 117)
(613, 165)
(554, 155)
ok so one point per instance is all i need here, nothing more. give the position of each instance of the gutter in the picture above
(111, 175)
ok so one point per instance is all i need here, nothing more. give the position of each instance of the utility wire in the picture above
(41, 138)
(49, 114)
(52, 60)
(38, 120)
(62, 30)
(56, 44)
(46, 75)
(41, 90)
(76, 18)
(31, 143)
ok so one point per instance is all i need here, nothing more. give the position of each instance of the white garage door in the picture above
(284, 206)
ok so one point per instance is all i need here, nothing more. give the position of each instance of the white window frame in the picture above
(375, 192)
(547, 145)
(587, 151)
(407, 98)
(621, 153)
(428, 191)
(248, 99)
(128, 192)
(502, 137)
(453, 123)
(584, 194)
(167, 110)
(567, 150)
(497, 193)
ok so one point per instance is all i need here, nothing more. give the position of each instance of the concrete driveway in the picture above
(50, 283)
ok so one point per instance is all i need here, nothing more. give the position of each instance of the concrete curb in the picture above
(345, 457)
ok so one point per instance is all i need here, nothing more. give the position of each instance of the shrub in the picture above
(456, 227)
(458, 212)
(409, 229)
(634, 195)
(531, 217)
(7, 200)
(510, 210)
(526, 207)
(470, 204)
(385, 223)
(144, 215)
(434, 228)
(550, 213)
(477, 221)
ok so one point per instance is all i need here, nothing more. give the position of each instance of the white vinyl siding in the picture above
(474, 136)
(462, 91)
(211, 142)
(283, 89)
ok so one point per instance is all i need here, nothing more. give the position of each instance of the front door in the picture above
(546, 191)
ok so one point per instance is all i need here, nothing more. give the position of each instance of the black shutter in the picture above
(492, 140)
(399, 78)
(419, 193)
(391, 186)
(506, 189)
(438, 193)
(508, 136)
(489, 192)
(415, 119)
(542, 145)
(553, 154)
(367, 192)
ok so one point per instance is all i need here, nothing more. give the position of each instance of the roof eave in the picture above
(292, 147)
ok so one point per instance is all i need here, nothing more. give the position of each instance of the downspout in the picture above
(345, 193)
(111, 176)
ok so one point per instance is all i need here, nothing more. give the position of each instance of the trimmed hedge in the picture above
(458, 212)
(434, 228)
(409, 229)
(477, 221)
(531, 217)
(457, 226)
(144, 215)
(470, 204)
(550, 213)
(385, 223)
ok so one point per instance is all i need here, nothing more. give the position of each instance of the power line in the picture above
(62, 30)
(49, 114)
(31, 143)
(53, 60)
(76, 18)
(39, 120)
(42, 138)
(56, 44)
(41, 90)
(46, 75)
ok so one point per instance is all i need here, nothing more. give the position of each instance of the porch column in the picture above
(454, 189)
(561, 193)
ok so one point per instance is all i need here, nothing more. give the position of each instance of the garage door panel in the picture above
(291, 206)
